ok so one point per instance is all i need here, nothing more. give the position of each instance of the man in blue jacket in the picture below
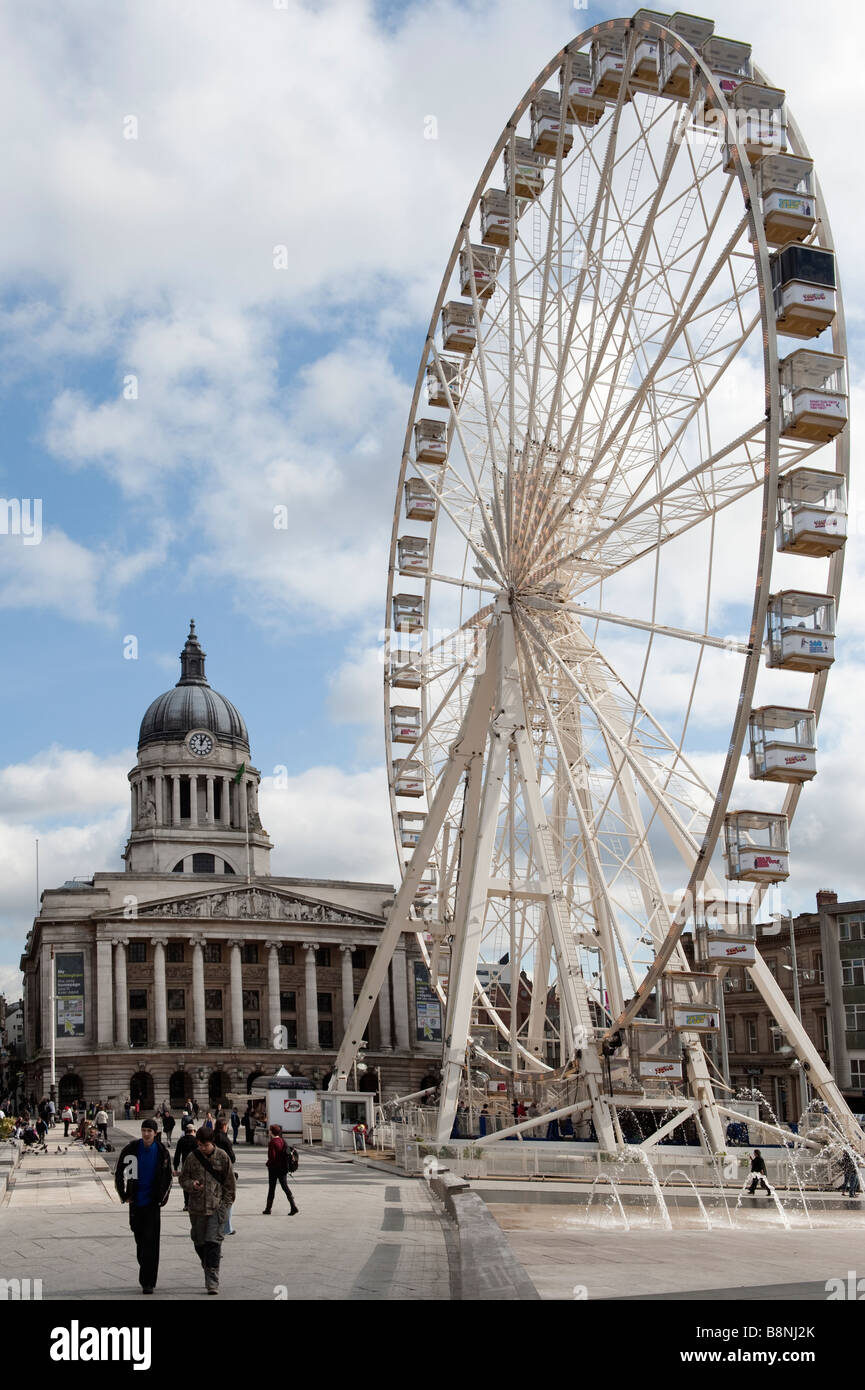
(143, 1180)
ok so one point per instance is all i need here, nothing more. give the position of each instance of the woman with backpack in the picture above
(278, 1167)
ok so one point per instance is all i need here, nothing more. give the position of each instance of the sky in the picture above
(169, 375)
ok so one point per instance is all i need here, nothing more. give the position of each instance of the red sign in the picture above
(292, 1106)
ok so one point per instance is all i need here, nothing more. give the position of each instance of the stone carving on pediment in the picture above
(248, 903)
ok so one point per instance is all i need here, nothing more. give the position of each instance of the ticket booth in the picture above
(528, 170)
(724, 934)
(286, 1098)
(756, 846)
(691, 1001)
(812, 512)
(447, 370)
(783, 744)
(786, 186)
(803, 289)
(341, 1114)
(813, 395)
(583, 105)
(800, 631)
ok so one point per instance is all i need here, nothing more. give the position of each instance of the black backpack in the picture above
(293, 1160)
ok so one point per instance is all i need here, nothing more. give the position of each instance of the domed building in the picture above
(195, 971)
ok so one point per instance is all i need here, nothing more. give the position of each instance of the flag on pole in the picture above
(239, 774)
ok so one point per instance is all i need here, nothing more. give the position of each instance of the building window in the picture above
(178, 868)
(853, 972)
(857, 1072)
(778, 1039)
(137, 1000)
(138, 1032)
(854, 1016)
(358, 958)
(251, 1003)
(823, 1025)
(137, 952)
(322, 956)
(325, 1032)
(213, 1031)
(325, 1003)
(213, 1000)
(251, 1032)
(773, 967)
(286, 955)
(288, 1001)
(226, 867)
(176, 999)
(851, 927)
(732, 981)
(249, 954)
(213, 953)
(731, 1035)
(749, 983)
(204, 864)
(818, 966)
(177, 1032)
(752, 1034)
(174, 952)
(290, 1026)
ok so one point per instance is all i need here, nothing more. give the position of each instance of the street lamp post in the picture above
(793, 967)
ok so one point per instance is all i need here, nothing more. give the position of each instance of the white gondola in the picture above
(431, 441)
(725, 934)
(528, 169)
(547, 123)
(413, 554)
(495, 218)
(783, 744)
(452, 371)
(786, 184)
(812, 512)
(758, 116)
(420, 502)
(404, 724)
(608, 67)
(656, 1053)
(730, 62)
(675, 75)
(479, 267)
(426, 889)
(643, 76)
(405, 669)
(691, 1001)
(803, 288)
(756, 846)
(408, 612)
(813, 395)
(411, 824)
(800, 631)
(586, 108)
(408, 777)
(459, 331)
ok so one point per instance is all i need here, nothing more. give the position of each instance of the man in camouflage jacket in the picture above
(208, 1180)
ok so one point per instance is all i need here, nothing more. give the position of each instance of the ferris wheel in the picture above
(617, 549)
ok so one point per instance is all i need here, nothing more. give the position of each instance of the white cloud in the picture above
(330, 824)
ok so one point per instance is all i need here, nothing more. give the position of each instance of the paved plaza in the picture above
(362, 1234)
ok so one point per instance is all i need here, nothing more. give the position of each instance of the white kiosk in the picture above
(341, 1114)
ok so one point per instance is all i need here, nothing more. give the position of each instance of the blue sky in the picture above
(256, 127)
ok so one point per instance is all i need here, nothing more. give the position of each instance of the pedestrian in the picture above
(222, 1141)
(52, 1111)
(235, 1123)
(208, 1178)
(851, 1175)
(208, 1121)
(195, 1108)
(249, 1122)
(483, 1120)
(277, 1170)
(127, 1106)
(185, 1146)
(143, 1180)
(758, 1173)
(168, 1126)
(41, 1129)
(67, 1118)
(137, 1108)
(102, 1123)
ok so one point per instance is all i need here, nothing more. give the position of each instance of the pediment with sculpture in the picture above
(247, 903)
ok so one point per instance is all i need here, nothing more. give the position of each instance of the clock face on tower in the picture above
(201, 745)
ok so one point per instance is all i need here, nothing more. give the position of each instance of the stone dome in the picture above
(192, 704)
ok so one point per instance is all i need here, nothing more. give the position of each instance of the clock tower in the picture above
(194, 790)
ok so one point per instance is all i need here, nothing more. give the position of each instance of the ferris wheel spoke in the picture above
(705, 639)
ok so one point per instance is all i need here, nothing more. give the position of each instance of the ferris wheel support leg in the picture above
(819, 1076)
(540, 986)
(467, 748)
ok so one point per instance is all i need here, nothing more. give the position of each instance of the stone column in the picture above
(400, 999)
(311, 996)
(121, 999)
(160, 998)
(104, 1001)
(175, 800)
(236, 996)
(384, 1013)
(226, 801)
(159, 792)
(273, 1010)
(347, 986)
(197, 944)
(193, 798)
(210, 800)
(133, 790)
(46, 989)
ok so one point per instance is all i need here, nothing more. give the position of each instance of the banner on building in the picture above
(69, 989)
(427, 1008)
